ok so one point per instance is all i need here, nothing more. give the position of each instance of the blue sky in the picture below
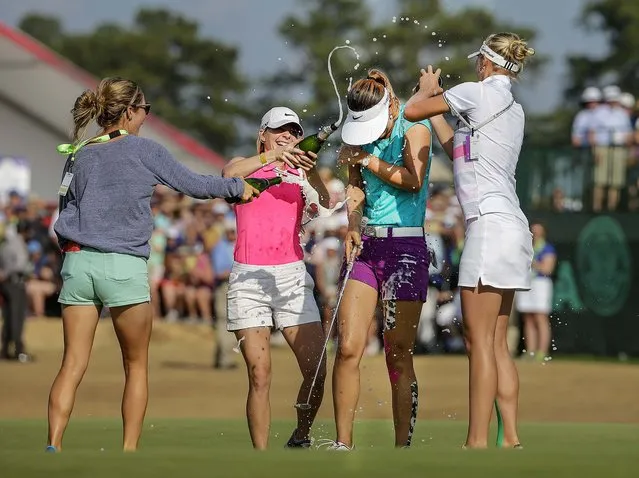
(252, 26)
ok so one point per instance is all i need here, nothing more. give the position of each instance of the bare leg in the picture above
(354, 319)
(307, 341)
(531, 338)
(133, 324)
(401, 320)
(79, 323)
(542, 322)
(203, 298)
(257, 354)
(507, 377)
(190, 301)
(481, 308)
(597, 198)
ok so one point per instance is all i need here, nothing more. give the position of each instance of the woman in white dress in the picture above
(535, 305)
(498, 246)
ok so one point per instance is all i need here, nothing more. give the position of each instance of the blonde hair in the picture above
(367, 92)
(511, 47)
(105, 105)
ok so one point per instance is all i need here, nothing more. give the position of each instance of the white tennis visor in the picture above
(364, 127)
(496, 58)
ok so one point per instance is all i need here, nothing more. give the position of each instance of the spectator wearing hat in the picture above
(584, 119)
(611, 132)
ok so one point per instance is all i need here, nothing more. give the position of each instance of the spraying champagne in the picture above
(315, 142)
(261, 184)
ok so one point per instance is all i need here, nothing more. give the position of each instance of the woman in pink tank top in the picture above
(269, 285)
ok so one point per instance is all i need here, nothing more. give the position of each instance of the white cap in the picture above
(364, 127)
(279, 116)
(611, 93)
(591, 94)
(495, 57)
(627, 100)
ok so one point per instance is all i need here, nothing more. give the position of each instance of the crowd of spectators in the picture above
(192, 253)
(605, 137)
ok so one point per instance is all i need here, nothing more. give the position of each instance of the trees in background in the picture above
(193, 82)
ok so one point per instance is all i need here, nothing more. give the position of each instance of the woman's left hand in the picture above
(351, 155)
(429, 82)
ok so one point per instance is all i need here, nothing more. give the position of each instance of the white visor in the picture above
(496, 58)
(364, 127)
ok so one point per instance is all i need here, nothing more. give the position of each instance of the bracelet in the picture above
(263, 159)
(356, 211)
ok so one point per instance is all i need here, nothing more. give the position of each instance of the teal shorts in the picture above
(103, 278)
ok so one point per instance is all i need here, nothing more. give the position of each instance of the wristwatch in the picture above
(365, 161)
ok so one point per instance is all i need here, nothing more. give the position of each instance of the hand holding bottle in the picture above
(307, 161)
(249, 193)
(289, 154)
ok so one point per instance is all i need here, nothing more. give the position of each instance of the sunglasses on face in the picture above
(146, 106)
(292, 129)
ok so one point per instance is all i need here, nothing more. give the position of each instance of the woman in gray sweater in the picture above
(104, 228)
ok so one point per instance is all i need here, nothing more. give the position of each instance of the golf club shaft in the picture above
(349, 268)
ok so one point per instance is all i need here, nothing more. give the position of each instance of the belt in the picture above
(377, 231)
(71, 247)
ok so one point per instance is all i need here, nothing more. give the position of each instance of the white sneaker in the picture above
(332, 445)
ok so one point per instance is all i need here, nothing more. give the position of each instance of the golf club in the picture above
(349, 268)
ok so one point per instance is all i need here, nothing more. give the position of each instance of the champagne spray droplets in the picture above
(330, 73)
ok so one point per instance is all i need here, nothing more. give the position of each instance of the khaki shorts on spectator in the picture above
(103, 278)
(267, 296)
(611, 163)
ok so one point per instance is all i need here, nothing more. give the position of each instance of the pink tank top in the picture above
(268, 229)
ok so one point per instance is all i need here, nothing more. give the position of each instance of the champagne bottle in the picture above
(315, 142)
(258, 183)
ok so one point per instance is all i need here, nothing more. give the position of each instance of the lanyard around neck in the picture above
(72, 149)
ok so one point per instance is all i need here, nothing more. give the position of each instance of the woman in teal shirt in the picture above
(389, 159)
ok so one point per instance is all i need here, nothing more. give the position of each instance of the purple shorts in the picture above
(396, 267)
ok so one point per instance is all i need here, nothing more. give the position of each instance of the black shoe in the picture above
(294, 443)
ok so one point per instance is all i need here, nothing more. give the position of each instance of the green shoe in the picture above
(500, 427)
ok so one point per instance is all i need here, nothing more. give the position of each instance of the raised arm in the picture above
(444, 133)
(410, 176)
(427, 100)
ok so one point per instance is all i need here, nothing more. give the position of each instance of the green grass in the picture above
(210, 448)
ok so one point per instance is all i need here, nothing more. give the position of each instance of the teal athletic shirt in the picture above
(387, 205)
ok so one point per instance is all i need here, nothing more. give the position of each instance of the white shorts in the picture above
(267, 296)
(498, 251)
(537, 300)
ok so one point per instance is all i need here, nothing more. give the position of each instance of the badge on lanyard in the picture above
(73, 149)
(64, 187)
(473, 146)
